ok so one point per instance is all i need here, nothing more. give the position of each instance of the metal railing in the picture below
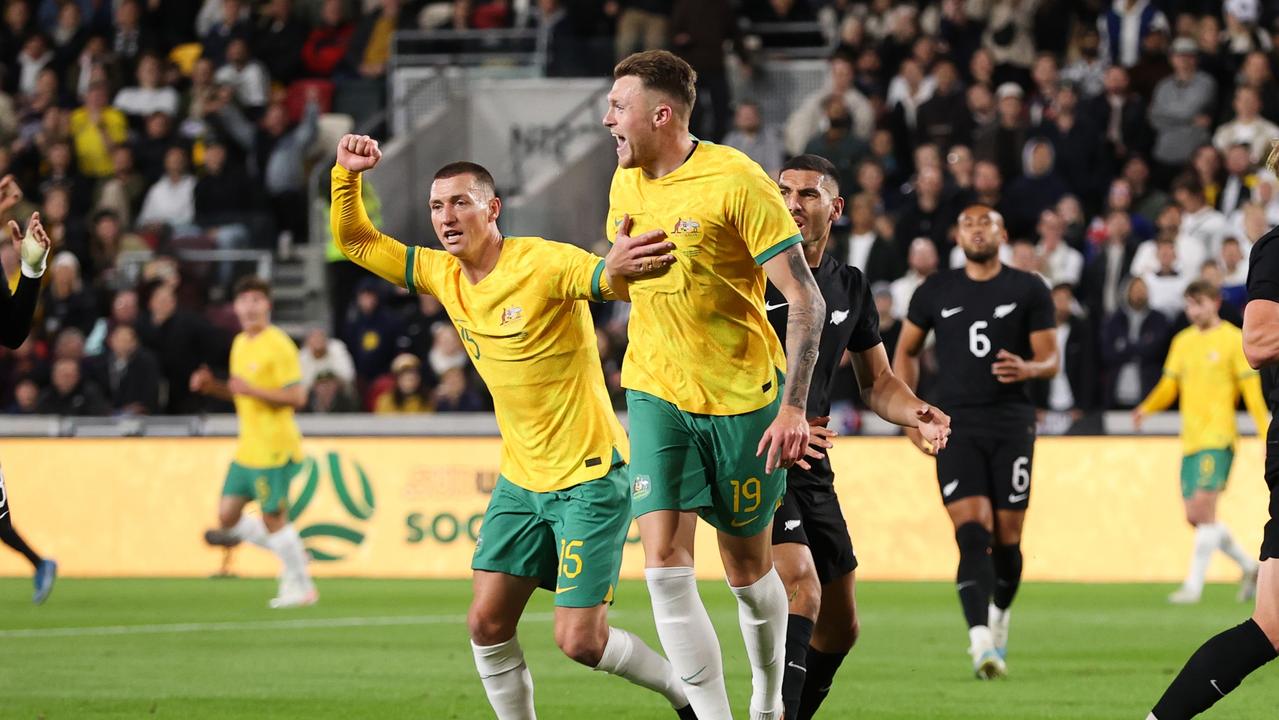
(788, 39)
(469, 47)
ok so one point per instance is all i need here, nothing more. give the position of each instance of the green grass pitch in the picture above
(398, 649)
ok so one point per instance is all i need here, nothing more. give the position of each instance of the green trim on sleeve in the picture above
(596, 291)
(772, 252)
(410, 254)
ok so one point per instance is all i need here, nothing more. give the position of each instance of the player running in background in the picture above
(1207, 367)
(560, 511)
(266, 386)
(811, 545)
(16, 311)
(1220, 664)
(995, 330)
(712, 427)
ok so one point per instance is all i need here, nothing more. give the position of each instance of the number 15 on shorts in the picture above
(570, 560)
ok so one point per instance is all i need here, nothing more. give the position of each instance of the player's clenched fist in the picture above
(358, 153)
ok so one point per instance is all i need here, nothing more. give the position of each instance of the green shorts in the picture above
(269, 486)
(570, 540)
(685, 461)
(1205, 470)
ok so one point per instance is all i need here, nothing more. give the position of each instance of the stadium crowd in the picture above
(1123, 141)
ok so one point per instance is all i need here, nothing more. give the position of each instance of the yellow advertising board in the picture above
(1102, 509)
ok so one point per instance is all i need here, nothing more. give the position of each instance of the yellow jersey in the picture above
(528, 332)
(699, 333)
(1207, 368)
(269, 436)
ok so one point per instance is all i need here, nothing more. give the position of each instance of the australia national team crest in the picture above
(511, 314)
(687, 226)
(642, 487)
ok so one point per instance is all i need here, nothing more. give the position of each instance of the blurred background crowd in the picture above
(1124, 143)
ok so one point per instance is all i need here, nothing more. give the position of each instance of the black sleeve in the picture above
(921, 306)
(17, 309)
(1042, 314)
(866, 333)
(1263, 271)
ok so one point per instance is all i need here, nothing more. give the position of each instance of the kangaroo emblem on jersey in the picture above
(1003, 310)
(511, 314)
(838, 316)
(686, 227)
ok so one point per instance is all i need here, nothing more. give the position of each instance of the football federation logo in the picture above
(838, 316)
(327, 541)
(686, 227)
(1003, 310)
(642, 487)
(511, 314)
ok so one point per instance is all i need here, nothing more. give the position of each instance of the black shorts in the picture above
(810, 515)
(1270, 538)
(993, 467)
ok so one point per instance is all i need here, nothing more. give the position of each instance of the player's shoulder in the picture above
(1026, 280)
(845, 275)
(1265, 247)
(728, 164)
(279, 338)
(531, 246)
(1230, 333)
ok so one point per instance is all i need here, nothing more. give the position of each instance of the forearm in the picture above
(891, 399)
(618, 285)
(803, 335)
(1250, 387)
(1045, 369)
(355, 234)
(218, 390)
(1161, 397)
(291, 396)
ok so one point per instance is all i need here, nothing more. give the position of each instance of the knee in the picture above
(488, 629)
(669, 556)
(581, 645)
(1009, 536)
(805, 593)
(741, 575)
(973, 538)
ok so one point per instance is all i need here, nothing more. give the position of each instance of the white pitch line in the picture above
(299, 624)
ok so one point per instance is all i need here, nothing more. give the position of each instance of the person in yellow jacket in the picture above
(1206, 367)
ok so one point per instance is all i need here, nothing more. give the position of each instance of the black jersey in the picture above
(851, 323)
(1263, 284)
(16, 310)
(973, 321)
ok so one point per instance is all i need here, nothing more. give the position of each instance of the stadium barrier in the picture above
(1102, 509)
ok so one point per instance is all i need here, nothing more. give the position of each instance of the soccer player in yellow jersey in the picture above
(561, 508)
(714, 422)
(1207, 368)
(266, 386)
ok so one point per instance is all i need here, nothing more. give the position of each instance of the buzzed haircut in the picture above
(1204, 290)
(1190, 183)
(252, 283)
(817, 164)
(662, 71)
(475, 170)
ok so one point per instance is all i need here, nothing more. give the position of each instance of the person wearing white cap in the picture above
(1242, 35)
(1181, 106)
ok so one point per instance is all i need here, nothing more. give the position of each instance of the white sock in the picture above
(761, 611)
(1232, 549)
(1207, 540)
(689, 640)
(626, 656)
(287, 545)
(506, 678)
(251, 529)
(979, 639)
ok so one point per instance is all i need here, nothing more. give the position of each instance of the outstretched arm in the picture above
(893, 400)
(17, 309)
(354, 233)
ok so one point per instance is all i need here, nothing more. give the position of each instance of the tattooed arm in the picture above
(787, 437)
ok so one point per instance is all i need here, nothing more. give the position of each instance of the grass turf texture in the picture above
(398, 649)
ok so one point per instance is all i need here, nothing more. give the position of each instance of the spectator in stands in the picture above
(1072, 389)
(123, 191)
(761, 144)
(65, 302)
(370, 47)
(127, 373)
(371, 330)
(1087, 71)
(1124, 28)
(69, 394)
(1038, 188)
(1181, 110)
(276, 38)
(699, 30)
(1058, 261)
(149, 95)
(1002, 142)
(246, 76)
(18, 24)
(406, 396)
(26, 397)
(1104, 277)
(1044, 81)
(943, 119)
(1121, 116)
(61, 171)
(1076, 140)
(230, 25)
(924, 213)
(68, 35)
(327, 42)
(96, 129)
(181, 341)
(323, 354)
(960, 168)
(1234, 273)
(416, 331)
(152, 145)
(124, 311)
(837, 142)
(806, 120)
(280, 154)
(447, 352)
(641, 25)
(222, 196)
(1009, 37)
(455, 394)
(106, 241)
(35, 56)
(66, 230)
(330, 394)
(868, 251)
(1202, 227)
(921, 262)
(1167, 284)
(1242, 35)
(171, 200)
(131, 38)
(1256, 74)
(1134, 341)
(909, 89)
(1240, 183)
(1248, 126)
(1147, 200)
